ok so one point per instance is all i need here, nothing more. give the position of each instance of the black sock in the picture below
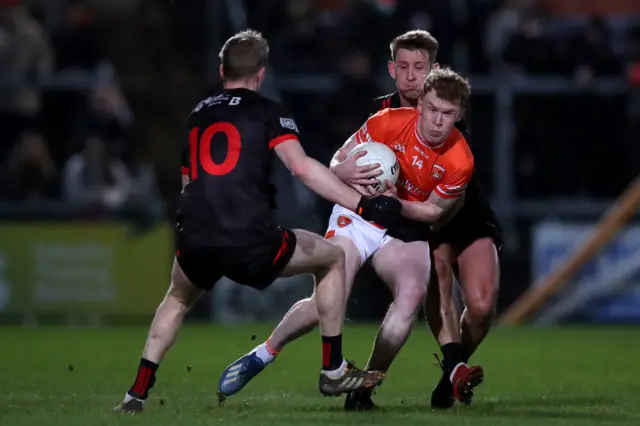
(452, 354)
(466, 355)
(145, 379)
(332, 352)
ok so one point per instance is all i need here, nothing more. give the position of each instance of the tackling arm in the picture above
(316, 176)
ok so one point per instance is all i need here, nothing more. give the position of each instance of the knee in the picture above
(336, 258)
(481, 304)
(410, 297)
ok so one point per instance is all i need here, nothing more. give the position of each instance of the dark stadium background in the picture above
(554, 115)
(85, 252)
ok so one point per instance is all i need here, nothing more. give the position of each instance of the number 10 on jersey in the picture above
(200, 150)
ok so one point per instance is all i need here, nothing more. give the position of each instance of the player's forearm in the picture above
(327, 185)
(449, 214)
(422, 212)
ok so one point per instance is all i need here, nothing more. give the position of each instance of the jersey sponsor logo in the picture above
(289, 123)
(411, 188)
(421, 152)
(344, 221)
(211, 100)
(398, 147)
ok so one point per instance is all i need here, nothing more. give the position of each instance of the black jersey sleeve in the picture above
(281, 126)
(378, 104)
(392, 100)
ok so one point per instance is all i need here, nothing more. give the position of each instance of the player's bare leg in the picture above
(303, 315)
(327, 262)
(440, 307)
(458, 379)
(405, 268)
(479, 274)
(180, 297)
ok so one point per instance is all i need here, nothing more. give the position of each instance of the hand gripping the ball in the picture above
(381, 210)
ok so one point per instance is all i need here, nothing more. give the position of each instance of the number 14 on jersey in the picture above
(416, 162)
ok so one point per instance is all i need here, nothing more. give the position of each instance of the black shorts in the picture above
(473, 222)
(256, 266)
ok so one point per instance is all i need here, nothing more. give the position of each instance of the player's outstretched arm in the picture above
(315, 175)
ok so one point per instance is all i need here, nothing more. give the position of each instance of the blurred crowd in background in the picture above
(95, 94)
(74, 145)
(49, 136)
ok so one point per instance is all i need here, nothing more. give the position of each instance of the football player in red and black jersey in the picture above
(225, 226)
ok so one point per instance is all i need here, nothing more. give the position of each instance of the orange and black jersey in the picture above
(475, 220)
(473, 193)
(228, 158)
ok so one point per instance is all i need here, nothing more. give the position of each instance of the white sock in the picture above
(263, 353)
(128, 398)
(453, 372)
(338, 372)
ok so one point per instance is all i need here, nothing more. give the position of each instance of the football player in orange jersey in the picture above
(467, 243)
(435, 166)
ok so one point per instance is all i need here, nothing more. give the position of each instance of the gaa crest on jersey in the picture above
(289, 123)
(344, 221)
(437, 172)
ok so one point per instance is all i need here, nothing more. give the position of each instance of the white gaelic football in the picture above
(379, 153)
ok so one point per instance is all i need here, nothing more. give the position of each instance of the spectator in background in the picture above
(108, 112)
(145, 202)
(29, 173)
(502, 25)
(529, 51)
(95, 179)
(593, 54)
(75, 39)
(25, 54)
(297, 48)
(349, 104)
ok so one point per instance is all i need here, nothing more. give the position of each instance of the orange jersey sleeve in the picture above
(374, 129)
(386, 125)
(460, 166)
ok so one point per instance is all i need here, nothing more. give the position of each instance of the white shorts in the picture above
(367, 237)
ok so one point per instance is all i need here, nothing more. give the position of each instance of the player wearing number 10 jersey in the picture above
(225, 227)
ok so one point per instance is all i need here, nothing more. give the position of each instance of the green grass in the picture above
(570, 376)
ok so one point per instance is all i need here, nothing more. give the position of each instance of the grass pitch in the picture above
(64, 376)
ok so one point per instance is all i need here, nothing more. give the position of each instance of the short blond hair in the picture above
(448, 85)
(244, 54)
